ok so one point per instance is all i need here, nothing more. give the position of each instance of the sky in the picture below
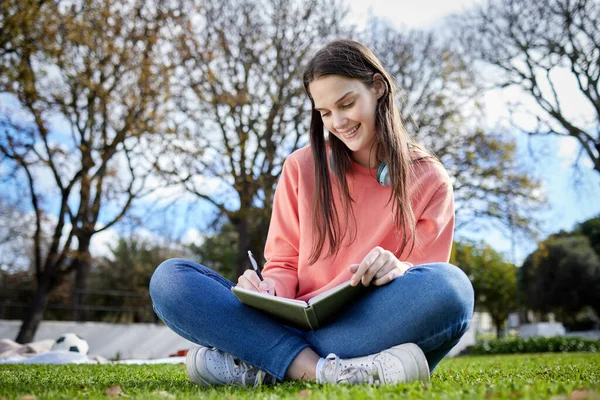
(421, 14)
(550, 160)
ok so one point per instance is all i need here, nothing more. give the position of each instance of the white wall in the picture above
(139, 341)
(135, 341)
(545, 329)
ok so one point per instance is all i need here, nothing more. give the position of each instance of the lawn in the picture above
(535, 376)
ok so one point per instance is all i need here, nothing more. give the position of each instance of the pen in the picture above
(254, 265)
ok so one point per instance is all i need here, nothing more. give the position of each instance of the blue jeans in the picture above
(430, 305)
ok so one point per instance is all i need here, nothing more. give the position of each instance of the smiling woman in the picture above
(333, 222)
(351, 118)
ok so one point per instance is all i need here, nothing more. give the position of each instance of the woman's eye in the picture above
(343, 106)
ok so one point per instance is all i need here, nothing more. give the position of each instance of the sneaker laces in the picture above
(247, 371)
(333, 372)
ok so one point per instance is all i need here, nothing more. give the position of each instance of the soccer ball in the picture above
(71, 342)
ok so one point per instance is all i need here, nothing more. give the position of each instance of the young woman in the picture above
(366, 204)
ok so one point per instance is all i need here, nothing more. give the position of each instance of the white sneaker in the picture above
(399, 364)
(208, 366)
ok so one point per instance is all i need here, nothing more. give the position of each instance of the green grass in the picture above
(529, 376)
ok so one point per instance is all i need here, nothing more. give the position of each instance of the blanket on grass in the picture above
(41, 353)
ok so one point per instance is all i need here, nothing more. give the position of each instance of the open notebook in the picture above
(309, 315)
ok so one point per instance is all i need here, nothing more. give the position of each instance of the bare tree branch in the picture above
(241, 62)
(102, 67)
(530, 41)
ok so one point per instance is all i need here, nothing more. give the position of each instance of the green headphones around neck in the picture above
(382, 176)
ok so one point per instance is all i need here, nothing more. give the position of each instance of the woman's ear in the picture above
(379, 85)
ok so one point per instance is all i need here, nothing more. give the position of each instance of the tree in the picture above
(531, 43)
(15, 236)
(440, 102)
(91, 82)
(242, 97)
(128, 269)
(494, 280)
(12, 293)
(562, 276)
(219, 252)
(591, 230)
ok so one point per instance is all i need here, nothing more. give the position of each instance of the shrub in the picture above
(535, 345)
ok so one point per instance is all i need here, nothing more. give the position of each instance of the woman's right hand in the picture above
(250, 280)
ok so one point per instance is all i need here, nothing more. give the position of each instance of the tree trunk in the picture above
(523, 317)
(243, 262)
(36, 311)
(258, 239)
(499, 328)
(82, 271)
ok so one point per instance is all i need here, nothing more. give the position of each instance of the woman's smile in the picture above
(350, 134)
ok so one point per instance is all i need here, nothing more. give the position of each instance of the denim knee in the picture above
(162, 278)
(454, 290)
(166, 282)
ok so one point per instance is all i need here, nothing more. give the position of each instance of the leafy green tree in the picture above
(219, 252)
(562, 276)
(591, 230)
(494, 280)
(127, 269)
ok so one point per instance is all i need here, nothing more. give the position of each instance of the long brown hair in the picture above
(351, 59)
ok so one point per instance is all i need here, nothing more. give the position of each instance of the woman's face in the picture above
(347, 107)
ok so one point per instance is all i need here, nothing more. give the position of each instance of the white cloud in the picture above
(165, 195)
(193, 236)
(568, 148)
(60, 124)
(413, 14)
(10, 103)
(102, 241)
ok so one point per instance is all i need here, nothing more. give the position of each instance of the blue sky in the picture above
(567, 205)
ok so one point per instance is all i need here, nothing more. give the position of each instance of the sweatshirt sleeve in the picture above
(283, 238)
(435, 224)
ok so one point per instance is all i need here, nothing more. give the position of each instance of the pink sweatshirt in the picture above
(290, 236)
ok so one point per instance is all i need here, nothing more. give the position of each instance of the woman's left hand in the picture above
(378, 267)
